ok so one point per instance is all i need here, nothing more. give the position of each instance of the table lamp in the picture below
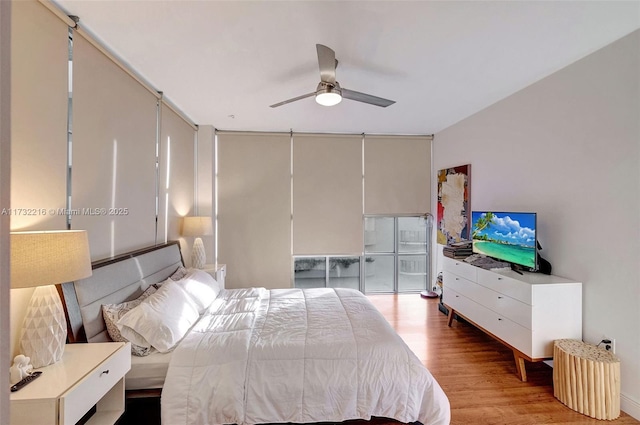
(42, 259)
(197, 226)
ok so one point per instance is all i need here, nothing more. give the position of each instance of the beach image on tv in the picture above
(506, 236)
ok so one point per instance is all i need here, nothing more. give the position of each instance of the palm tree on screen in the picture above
(484, 222)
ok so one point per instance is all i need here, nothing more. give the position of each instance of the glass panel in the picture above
(412, 234)
(412, 273)
(379, 234)
(379, 273)
(310, 272)
(344, 272)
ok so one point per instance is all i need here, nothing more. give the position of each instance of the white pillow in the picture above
(201, 287)
(162, 320)
(113, 312)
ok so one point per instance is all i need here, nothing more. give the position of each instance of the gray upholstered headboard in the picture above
(114, 280)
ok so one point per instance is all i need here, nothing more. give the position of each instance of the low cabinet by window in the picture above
(395, 259)
(331, 272)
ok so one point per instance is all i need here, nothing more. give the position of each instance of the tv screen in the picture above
(506, 236)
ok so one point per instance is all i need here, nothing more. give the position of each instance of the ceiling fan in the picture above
(329, 92)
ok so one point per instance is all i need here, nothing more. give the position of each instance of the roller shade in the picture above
(254, 209)
(397, 174)
(114, 154)
(327, 194)
(176, 185)
(39, 93)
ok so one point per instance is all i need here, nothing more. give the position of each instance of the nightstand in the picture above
(218, 271)
(88, 375)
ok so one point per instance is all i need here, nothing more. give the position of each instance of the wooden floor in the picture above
(477, 373)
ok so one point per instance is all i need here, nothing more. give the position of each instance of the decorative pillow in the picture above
(201, 287)
(180, 273)
(159, 284)
(113, 312)
(162, 320)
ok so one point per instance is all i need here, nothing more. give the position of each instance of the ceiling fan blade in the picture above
(284, 102)
(366, 98)
(327, 63)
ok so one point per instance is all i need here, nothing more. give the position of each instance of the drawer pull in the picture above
(499, 278)
(457, 296)
(104, 372)
(499, 319)
(499, 298)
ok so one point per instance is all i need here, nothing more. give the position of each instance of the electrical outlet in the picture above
(609, 344)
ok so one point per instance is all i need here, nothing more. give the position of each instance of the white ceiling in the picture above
(224, 62)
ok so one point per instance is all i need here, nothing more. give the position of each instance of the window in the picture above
(396, 259)
(396, 252)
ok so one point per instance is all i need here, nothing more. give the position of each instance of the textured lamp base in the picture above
(198, 255)
(44, 331)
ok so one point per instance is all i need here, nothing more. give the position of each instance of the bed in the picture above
(254, 355)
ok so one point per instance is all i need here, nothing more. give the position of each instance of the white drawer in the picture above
(513, 334)
(505, 329)
(460, 303)
(453, 299)
(466, 307)
(510, 332)
(459, 284)
(85, 394)
(514, 310)
(505, 285)
(460, 268)
(506, 306)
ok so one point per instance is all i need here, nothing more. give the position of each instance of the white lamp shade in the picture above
(49, 257)
(42, 259)
(197, 226)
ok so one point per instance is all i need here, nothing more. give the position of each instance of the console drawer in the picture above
(454, 300)
(461, 285)
(86, 393)
(506, 285)
(460, 268)
(512, 333)
(470, 309)
(514, 310)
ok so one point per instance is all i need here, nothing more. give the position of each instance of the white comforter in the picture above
(291, 355)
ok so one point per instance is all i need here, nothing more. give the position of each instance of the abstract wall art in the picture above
(454, 215)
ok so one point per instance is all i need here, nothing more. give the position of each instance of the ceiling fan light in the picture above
(328, 98)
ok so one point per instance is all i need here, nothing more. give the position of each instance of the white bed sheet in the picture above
(300, 356)
(148, 372)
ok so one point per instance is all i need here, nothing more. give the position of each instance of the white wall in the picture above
(5, 188)
(568, 147)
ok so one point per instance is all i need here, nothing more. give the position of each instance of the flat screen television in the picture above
(506, 236)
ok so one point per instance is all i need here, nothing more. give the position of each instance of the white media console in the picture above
(527, 312)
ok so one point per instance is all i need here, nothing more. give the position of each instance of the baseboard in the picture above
(629, 406)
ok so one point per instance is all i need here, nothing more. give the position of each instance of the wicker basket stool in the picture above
(586, 378)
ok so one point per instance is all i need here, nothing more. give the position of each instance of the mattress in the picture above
(147, 372)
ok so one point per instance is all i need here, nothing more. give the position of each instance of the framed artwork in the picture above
(454, 215)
